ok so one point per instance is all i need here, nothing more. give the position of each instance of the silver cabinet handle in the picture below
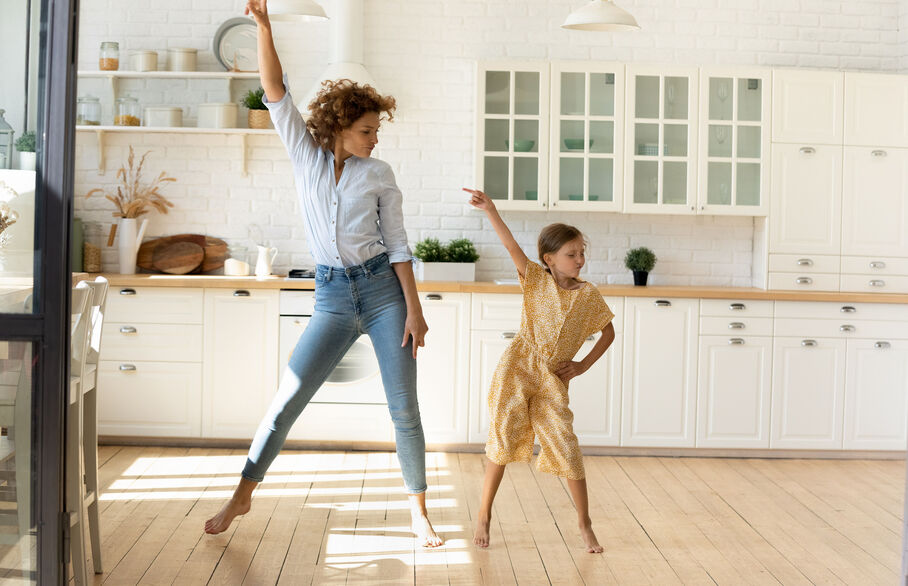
(877, 283)
(433, 297)
(508, 335)
(805, 262)
(736, 325)
(127, 291)
(735, 341)
(878, 153)
(807, 150)
(127, 367)
(127, 330)
(241, 293)
(297, 322)
(591, 338)
(737, 306)
(662, 303)
(803, 280)
(882, 345)
(877, 264)
(848, 309)
(808, 342)
(846, 328)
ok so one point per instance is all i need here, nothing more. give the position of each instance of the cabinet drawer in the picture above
(152, 342)
(843, 311)
(736, 327)
(879, 265)
(875, 284)
(162, 305)
(844, 328)
(803, 263)
(496, 311)
(804, 281)
(734, 308)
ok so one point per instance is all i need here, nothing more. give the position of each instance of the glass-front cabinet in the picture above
(734, 141)
(587, 136)
(512, 134)
(661, 119)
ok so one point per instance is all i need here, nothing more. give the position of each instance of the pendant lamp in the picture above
(601, 15)
(295, 11)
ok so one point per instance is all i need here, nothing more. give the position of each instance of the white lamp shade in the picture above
(601, 15)
(295, 11)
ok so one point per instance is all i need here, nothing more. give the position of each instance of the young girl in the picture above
(529, 393)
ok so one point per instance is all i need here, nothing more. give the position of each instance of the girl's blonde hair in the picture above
(554, 236)
(341, 103)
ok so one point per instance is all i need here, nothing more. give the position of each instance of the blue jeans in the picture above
(363, 299)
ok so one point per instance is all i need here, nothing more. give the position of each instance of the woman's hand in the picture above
(415, 327)
(480, 200)
(259, 11)
(568, 370)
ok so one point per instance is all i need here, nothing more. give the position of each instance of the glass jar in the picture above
(127, 113)
(88, 111)
(91, 248)
(110, 56)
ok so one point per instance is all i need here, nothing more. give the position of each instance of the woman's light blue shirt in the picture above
(348, 223)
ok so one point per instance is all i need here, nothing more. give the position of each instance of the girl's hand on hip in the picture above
(258, 9)
(480, 200)
(415, 327)
(568, 370)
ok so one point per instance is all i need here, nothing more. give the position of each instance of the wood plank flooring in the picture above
(342, 518)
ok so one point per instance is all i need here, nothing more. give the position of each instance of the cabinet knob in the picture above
(807, 150)
(433, 297)
(127, 291)
(877, 283)
(737, 307)
(848, 309)
(878, 153)
(846, 328)
(128, 367)
(882, 345)
(805, 262)
(877, 264)
(662, 303)
(508, 335)
(735, 341)
(803, 280)
(241, 293)
(736, 325)
(127, 330)
(808, 342)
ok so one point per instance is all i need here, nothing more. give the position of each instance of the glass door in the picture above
(512, 131)
(587, 135)
(660, 176)
(734, 111)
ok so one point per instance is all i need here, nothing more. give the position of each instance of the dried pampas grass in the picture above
(133, 199)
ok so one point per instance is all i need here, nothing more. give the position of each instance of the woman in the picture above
(364, 280)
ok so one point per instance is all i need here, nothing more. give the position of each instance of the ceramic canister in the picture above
(182, 59)
(169, 116)
(144, 61)
(217, 115)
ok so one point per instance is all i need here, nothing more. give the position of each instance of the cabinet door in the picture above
(588, 136)
(486, 349)
(807, 106)
(734, 142)
(660, 171)
(240, 360)
(875, 202)
(876, 109)
(660, 372)
(876, 394)
(735, 382)
(806, 199)
(808, 382)
(512, 134)
(595, 397)
(443, 367)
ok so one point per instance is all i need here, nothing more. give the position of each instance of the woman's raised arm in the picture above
(270, 71)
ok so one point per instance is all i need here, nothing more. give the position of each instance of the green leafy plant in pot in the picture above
(454, 261)
(641, 261)
(258, 116)
(25, 144)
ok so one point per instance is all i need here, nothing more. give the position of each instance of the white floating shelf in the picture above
(172, 74)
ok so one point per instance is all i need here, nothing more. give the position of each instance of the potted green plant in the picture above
(25, 144)
(641, 261)
(258, 112)
(439, 262)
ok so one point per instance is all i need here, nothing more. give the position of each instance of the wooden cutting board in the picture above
(178, 258)
(215, 251)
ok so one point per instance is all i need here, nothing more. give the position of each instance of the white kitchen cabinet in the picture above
(875, 202)
(596, 394)
(512, 133)
(660, 372)
(807, 106)
(876, 109)
(807, 393)
(876, 394)
(486, 348)
(734, 141)
(660, 174)
(240, 360)
(587, 131)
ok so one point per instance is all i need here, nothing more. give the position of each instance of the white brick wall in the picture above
(423, 52)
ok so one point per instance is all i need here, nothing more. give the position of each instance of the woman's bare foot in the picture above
(589, 538)
(220, 522)
(426, 535)
(481, 535)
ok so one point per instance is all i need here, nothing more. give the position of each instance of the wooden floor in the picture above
(341, 518)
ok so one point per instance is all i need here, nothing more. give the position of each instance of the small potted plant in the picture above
(258, 112)
(25, 144)
(641, 261)
(452, 262)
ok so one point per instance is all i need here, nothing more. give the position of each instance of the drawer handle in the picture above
(878, 153)
(737, 306)
(735, 341)
(803, 280)
(662, 303)
(241, 293)
(846, 328)
(128, 367)
(736, 325)
(805, 262)
(882, 345)
(433, 297)
(848, 309)
(591, 338)
(877, 283)
(807, 150)
(877, 264)
(127, 330)
(808, 342)
(508, 335)
(127, 291)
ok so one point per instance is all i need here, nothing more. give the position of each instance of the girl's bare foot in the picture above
(481, 535)
(220, 522)
(426, 535)
(589, 538)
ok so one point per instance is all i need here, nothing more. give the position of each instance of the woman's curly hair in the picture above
(341, 103)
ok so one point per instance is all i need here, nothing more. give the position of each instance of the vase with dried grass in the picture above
(133, 200)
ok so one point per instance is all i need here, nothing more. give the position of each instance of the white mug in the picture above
(264, 261)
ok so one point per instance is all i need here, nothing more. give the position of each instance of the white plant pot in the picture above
(27, 161)
(445, 271)
(129, 237)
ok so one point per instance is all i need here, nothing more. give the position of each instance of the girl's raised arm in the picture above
(270, 71)
(482, 201)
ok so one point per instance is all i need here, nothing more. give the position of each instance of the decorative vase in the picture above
(259, 119)
(640, 278)
(27, 160)
(129, 236)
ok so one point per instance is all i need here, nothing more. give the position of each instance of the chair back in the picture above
(98, 304)
(81, 323)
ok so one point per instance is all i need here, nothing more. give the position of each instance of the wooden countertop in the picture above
(155, 280)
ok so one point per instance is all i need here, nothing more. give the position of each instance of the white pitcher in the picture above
(264, 260)
(129, 241)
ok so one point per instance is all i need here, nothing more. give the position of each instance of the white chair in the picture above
(74, 478)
